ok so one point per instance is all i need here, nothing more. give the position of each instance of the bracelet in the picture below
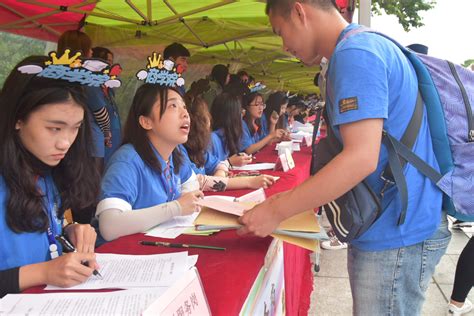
(69, 224)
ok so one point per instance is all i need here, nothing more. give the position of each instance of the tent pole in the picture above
(21, 15)
(73, 9)
(181, 19)
(191, 12)
(236, 38)
(149, 10)
(138, 11)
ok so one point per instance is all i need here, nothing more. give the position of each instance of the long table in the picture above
(228, 276)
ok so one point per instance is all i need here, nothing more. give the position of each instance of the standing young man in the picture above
(179, 55)
(371, 87)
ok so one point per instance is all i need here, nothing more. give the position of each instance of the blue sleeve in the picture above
(264, 127)
(247, 139)
(357, 86)
(216, 147)
(95, 98)
(186, 171)
(120, 181)
(211, 163)
(187, 166)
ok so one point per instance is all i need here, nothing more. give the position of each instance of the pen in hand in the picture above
(70, 248)
(171, 245)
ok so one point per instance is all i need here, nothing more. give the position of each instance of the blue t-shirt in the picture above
(128, 178)
(96, 99)
(20, 249)
(369, 77)
(218, 147)
(210, 164)
(264, 127)
(248, 139)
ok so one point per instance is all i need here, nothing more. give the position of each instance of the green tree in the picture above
(13, 48)
(468, 63)
(407, 11)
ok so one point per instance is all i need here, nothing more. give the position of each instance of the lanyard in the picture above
(51, 210)
(166, 179)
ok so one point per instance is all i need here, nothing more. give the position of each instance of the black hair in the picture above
(142, 104)
(226, 114)
(101, 52)
(219, 74)
(274, 103)
(175, 50)
(75, 177)
(76, 41)
(283, 7)
(247, 99)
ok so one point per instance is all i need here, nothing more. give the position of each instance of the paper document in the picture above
(302, 229)
(127, 302)
(257, 196)
(224, 205)
(132, 271)
(173, 227)
(256, 166)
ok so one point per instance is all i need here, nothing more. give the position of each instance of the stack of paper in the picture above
(302, 229)
(173, 227)
(136, 271)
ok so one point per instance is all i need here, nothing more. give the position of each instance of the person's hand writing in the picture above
(67, 270)
(82, 236)
(277, 134)
(262, 181)
(188, 200)
(241, 159)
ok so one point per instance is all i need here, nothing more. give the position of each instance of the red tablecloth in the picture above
(298, 275)
(227, 276)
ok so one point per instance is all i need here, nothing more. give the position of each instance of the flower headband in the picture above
(161, 72)
(88, 72)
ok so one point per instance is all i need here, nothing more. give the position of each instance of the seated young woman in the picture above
(45, 169)
(146, 182)
(274, 113)
(226, 138)
(255, 134)
(212, 173)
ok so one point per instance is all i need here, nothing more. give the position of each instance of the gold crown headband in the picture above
(161, 72)
(88, 72)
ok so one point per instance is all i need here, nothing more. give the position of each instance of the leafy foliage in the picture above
(407, 11)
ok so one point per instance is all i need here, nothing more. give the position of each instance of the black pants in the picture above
(464, 279)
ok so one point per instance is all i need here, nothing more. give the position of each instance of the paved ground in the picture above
(332, 294)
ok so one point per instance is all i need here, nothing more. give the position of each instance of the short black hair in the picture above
(175, 50)
(283, 7)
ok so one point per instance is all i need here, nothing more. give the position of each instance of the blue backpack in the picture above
(448, 94)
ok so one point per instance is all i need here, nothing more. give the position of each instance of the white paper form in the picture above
(128, 302)
(134, 271)
(172, 228)
(256, 166)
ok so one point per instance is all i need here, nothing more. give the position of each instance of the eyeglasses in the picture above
(261, 104)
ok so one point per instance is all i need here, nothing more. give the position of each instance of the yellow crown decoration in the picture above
(88, 72)
(155, 61)
(161, 72)
(73, 61)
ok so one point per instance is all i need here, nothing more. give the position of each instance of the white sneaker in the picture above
(457, 311)
(333, 244)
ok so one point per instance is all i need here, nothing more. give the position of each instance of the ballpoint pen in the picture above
(172, 245)
(70, 248)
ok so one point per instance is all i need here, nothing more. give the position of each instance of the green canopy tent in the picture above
(231, 32)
